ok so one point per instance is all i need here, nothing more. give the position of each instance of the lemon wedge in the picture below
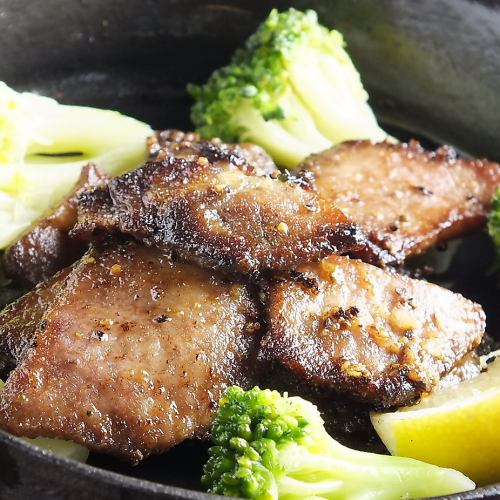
(457, 427)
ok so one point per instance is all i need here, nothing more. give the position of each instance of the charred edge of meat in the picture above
(40, 254)
(443, 154)
(21, 320)
(211, 251)
(183, 230)
(309, 282)
(163, 138)
(375, 254)
(392, 391)
(173, 142)
(96, 214)
(205, 152)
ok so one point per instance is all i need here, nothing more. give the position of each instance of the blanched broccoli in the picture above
(44, 144)
(269, 446)
(292, 89)
(494, 225)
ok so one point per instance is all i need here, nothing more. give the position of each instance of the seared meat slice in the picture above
(168, 141)
(19, 321)
(206, 204)
(47, 247)
(405, 198)
(373, 334)
(133, 356)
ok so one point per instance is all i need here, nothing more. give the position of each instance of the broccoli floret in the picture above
(43, 146)
(292, 89)
(269, 446)
(494, 226)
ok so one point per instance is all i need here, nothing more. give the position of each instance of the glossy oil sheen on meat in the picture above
(405, 198)
(372, 334)
(134, 354)
(207, 204)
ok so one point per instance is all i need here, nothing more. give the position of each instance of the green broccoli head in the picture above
(43, 146)
(494, 225)
(249, 430)
(269, 446)
(293, 89)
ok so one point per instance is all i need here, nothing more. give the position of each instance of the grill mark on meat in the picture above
(47, 247)
(206, 204)
(406, 199)
(372, 334)
(105, 374)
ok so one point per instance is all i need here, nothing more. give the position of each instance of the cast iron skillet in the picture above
(432, 68)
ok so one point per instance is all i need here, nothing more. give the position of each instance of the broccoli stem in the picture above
(271, 135)
(332, 92)
(269, 446)
(289, 140)
(337, 476)
(89, 133)
(44, 145)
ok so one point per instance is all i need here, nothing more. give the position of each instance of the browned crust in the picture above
(298, 336)
(138, 366)
(165, 203)
(309, 361)
(488, 170)
(169, 142)
(393, 248)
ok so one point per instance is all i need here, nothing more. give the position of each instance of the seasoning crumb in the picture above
(203, 161)
(354, 370)
(106, 323)
(282, 228)
(89, 260)
(220, 188)
(116, 269)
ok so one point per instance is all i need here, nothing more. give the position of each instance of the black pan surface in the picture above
(431, 67)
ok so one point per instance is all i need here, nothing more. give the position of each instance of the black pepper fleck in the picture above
(424, 190)
(98, 334)
(161, 319)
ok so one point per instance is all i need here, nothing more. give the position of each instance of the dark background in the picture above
(430, 66)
